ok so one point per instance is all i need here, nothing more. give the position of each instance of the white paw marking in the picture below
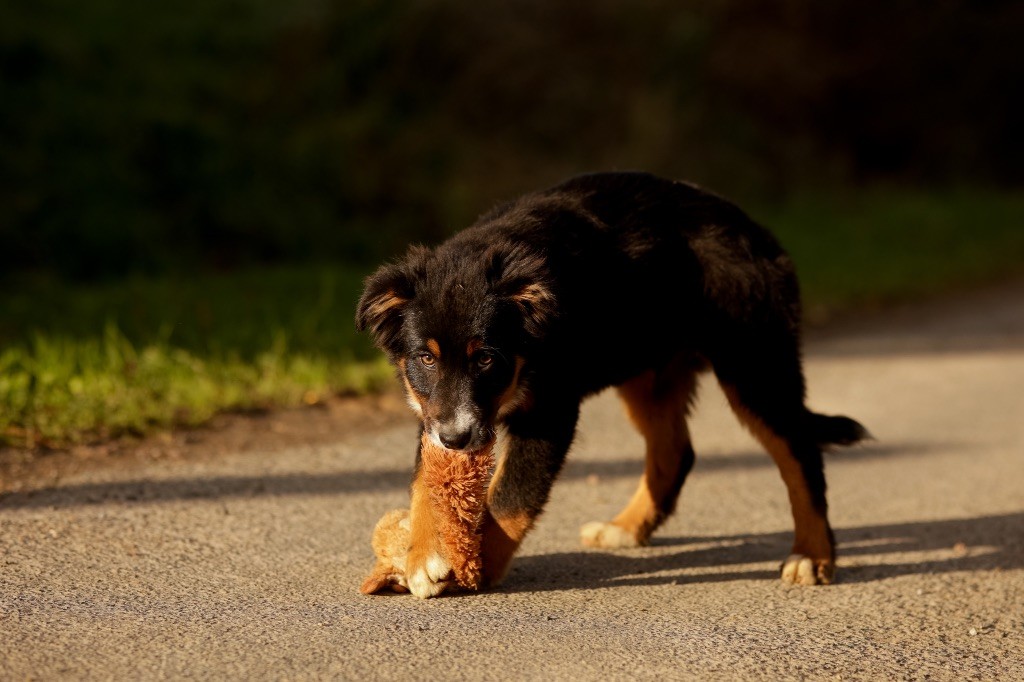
(423, 587)
(606, 536)
(429, 581)
(798, 569)
(437, 567)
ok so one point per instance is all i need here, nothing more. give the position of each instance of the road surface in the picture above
(247, 565)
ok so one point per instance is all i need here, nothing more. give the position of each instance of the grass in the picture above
(85, 363)
(876, 246)
(88, 363)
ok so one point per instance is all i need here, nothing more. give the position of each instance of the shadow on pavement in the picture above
(363, 481)
(990, 543)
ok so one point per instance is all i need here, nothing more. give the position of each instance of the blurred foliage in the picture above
(876, 246)
(191, 191)
(141, 137)
(309, 309)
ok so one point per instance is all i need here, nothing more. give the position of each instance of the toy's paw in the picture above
(798, 569)
(607, 536)
(428, 574)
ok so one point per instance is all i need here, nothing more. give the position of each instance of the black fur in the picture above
(590, 284)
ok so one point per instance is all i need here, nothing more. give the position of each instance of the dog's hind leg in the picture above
(658, 404)
(765, 388)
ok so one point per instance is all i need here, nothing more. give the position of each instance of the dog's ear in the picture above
(520, 277)
(385, 295)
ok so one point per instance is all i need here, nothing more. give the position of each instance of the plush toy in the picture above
(456, 486)
(390, 545)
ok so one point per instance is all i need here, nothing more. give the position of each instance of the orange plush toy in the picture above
(456, 487)
(390, 546)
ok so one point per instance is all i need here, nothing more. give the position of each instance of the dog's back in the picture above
(642, 268)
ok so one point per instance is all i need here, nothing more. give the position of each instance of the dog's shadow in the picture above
(866, 554)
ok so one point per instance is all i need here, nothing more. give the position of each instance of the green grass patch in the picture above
(80, 363)
(880, 245)
(86, 363)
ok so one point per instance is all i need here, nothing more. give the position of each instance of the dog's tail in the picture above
(829, 430)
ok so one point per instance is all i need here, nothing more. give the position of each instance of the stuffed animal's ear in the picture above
(375, 582)
(520, 277)
(385, 294)
(381, 580)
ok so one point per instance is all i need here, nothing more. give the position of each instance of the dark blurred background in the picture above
(191, 192)
(210, 134)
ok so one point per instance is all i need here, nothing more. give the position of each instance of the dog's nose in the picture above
(453, 438)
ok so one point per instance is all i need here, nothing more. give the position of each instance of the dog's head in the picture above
(458, 323)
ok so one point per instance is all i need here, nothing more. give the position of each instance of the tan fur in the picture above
(457, 483)
(444, 525)
(812, 537)
(425, 542)
(659, 413)
(414, 399)
(390, 541)
(534, 294)
(501, 539)
(501, 536)
(434, 347)
(515, 396)
(378, 309)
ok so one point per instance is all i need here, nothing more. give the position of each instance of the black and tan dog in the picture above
(616, 279)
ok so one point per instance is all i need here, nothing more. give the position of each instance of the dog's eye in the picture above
(428, 360)
(485, 360)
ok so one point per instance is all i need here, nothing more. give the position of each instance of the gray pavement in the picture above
(247, 566)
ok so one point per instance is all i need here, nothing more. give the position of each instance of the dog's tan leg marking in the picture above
(812, 561)
(501, 539)
(657, 405)
(427, 569)
(501, 536)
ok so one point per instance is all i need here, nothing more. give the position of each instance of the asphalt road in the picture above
(247, 566)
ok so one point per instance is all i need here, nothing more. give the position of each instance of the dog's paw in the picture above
(607, 536)
(428, 575)
(798, 569)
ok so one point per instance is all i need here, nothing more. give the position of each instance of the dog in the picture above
(608, 279)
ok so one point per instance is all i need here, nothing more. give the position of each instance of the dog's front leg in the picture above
(427, 567)
(534, 452)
